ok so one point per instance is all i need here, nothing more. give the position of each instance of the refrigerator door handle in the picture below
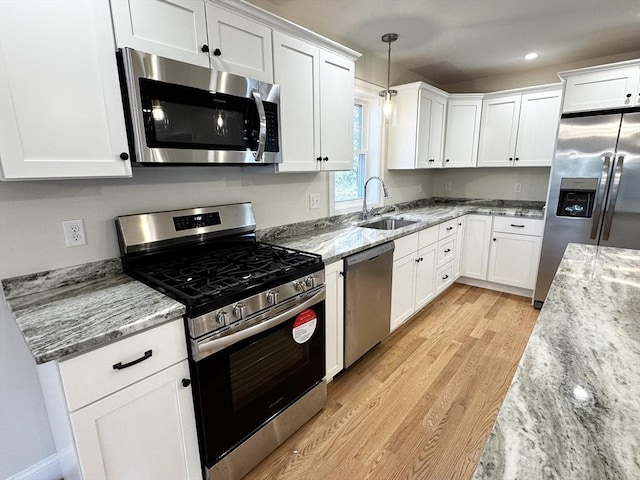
(608, 218)
(604, 177)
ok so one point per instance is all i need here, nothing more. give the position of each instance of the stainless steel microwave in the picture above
(186, 114)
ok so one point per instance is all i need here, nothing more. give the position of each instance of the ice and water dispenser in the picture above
(577, 197)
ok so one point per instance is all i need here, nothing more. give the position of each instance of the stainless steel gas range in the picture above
(255, 322)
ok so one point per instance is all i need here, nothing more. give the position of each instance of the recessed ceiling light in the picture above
(531, 56)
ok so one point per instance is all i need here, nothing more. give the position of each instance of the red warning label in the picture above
(304, 326)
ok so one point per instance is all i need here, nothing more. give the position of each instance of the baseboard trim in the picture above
(46, 469)
(474, 282)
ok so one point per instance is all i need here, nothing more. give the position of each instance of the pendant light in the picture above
(388, 94)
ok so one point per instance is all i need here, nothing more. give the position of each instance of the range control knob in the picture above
(300, 286)
(239, 310)
(222, 318)
(272, 297)
(310, 282)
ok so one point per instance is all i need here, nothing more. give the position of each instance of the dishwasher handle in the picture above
(352, 260)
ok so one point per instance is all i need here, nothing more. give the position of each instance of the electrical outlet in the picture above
(447, 186)
(74, 235)
(314, 201)
(517, 188)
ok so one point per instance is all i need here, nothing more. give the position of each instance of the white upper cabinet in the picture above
(537, 128)
(316, 106)
(519, 129)
(462, 131)
(607, 86)
(195, 32)
(337, 77)
(498, 131)
(173, 29)
(239, 45)
(61, 113)
(416, 135)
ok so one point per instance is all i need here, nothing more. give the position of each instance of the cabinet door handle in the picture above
(494, 239)
(518, 226)
(186, 382)
(217, 52)
(447, 250)
(318, 159)
(124, 156)
(449, 228)
(511, 159)
(120, 365)
(205, 48)
(326, 159)
(628, 95)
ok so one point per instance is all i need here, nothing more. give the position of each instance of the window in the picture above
(347, 187)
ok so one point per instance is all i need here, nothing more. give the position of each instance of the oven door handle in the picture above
(262, 135)
(212, 346)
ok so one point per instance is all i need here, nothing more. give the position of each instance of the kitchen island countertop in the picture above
(573, 408)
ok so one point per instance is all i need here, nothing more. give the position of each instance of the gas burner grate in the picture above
(224, 271)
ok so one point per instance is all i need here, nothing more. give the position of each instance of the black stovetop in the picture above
(211, 276)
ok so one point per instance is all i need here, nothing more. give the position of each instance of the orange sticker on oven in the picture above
(304, 326)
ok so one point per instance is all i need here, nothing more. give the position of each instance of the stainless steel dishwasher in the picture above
(367, 300)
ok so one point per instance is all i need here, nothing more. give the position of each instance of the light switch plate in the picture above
(314, 201)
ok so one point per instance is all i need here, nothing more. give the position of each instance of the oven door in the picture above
(242, 387)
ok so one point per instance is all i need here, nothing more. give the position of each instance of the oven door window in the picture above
(244, 386)
(176, 116)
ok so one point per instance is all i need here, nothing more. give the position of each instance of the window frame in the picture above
(366, 94)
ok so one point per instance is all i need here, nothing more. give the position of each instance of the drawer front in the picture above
(92, 375)
(446, 250)
(444, 277)
(428, 236)
(405, 246)
(518, 225)
(447, 229)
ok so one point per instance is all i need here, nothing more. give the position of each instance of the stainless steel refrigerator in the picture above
(594, 189)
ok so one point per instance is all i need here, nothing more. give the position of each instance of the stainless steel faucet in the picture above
(365, 211)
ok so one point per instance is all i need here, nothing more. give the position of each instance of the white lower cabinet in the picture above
(515, 251)
(502, 250)
(457, 266)
(334, 281)
(477, 241)
(145, 431)
(125, 410)
(420, 260)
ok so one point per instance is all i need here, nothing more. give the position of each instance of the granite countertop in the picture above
(72, 310)
(335, 239)
(573, 408)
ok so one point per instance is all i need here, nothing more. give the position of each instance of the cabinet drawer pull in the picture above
(447, 250)
(517, 226)
(445, 277)
(449, 228)
(120, 365)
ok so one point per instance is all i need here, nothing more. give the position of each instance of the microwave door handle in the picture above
(608, 216)
(262, 136)
(600, 197)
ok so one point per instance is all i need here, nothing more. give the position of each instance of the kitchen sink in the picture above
(389, 223)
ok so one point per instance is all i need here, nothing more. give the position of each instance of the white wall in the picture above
(493, 183)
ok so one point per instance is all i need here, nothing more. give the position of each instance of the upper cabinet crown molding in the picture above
(615, 85)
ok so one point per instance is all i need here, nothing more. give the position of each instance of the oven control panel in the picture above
(188, 222)
(233, 316)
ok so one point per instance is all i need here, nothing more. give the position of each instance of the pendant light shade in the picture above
(388, 105)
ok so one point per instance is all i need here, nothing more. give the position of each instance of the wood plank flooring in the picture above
(422, 403)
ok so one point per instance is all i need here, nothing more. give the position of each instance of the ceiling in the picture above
(451, 41)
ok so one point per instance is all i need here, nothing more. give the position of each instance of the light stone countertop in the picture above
(72, 310)
(336, 240)
(573, 408)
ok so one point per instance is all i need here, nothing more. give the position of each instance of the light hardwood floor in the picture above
(422, 403)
